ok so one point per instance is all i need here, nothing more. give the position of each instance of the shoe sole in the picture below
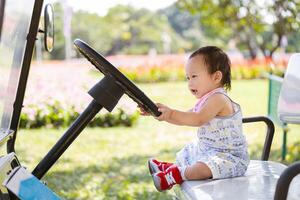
(152, 167)
(156, 181)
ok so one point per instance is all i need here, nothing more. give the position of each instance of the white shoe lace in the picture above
(170, 179)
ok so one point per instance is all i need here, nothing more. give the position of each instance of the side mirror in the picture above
(48, 27)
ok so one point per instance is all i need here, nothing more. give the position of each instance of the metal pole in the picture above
(269, 136)
(67, 139)
(284, 142)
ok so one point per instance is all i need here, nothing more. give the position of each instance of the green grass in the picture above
(110, 163)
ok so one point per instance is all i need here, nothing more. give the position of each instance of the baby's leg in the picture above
(197, 171)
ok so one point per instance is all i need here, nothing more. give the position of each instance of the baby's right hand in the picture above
(143, 111)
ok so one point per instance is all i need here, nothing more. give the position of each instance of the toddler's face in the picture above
(199, 80)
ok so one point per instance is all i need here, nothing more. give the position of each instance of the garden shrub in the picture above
(162, 74)
(293, 152)
(55, 115)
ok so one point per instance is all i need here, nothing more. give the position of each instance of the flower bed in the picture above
(57, 90)
(160, 68)
(57, 93)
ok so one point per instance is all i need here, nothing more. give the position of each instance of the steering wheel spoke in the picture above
(106, 68)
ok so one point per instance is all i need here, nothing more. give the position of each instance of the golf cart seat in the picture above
(264, 179)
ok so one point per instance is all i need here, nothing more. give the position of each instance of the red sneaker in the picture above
(157, 166)
(165, 180)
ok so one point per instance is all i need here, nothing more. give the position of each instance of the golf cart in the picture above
(19, 26)
(19, 29)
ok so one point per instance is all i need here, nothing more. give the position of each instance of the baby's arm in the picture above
(213, 106)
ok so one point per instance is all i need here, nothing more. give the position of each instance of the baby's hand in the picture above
(165, 112)
(143, 111)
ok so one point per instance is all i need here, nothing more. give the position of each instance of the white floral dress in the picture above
(220, 143)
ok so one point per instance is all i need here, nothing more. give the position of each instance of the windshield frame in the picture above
(31, 35)
(2, 5)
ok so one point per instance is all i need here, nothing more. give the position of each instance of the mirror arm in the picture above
(41, 31)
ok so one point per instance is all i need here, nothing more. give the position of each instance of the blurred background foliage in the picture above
(253, 27)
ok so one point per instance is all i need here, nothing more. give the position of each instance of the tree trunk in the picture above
(251, 50)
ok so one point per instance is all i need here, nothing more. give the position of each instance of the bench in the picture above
(264, 179)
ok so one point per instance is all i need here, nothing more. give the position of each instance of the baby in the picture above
(220, 150)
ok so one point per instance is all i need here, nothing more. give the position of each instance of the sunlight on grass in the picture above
(110, 163)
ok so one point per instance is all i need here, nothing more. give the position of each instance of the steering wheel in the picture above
(105, 67)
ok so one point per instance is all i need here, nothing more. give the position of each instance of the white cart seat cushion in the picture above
(259, 182)
(289, 98)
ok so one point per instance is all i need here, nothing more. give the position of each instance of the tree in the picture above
(255, 25)
(125, 29)
(135, 31)
(185, 25)
(188, 27)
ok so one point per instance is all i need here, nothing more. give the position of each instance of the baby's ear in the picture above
(218, 76)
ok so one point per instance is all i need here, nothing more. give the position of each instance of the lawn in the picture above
(110, 163)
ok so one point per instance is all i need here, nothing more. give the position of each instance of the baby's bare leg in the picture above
(197, 171)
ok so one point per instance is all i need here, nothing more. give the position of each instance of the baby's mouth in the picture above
(194, 91)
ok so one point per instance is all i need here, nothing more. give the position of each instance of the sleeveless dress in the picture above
(220, 143)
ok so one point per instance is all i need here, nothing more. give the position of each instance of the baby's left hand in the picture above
(166, 112)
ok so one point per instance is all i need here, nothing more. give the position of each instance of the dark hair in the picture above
(216, 60)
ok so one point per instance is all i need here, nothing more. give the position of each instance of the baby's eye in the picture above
(187, 78)
(194, 76)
